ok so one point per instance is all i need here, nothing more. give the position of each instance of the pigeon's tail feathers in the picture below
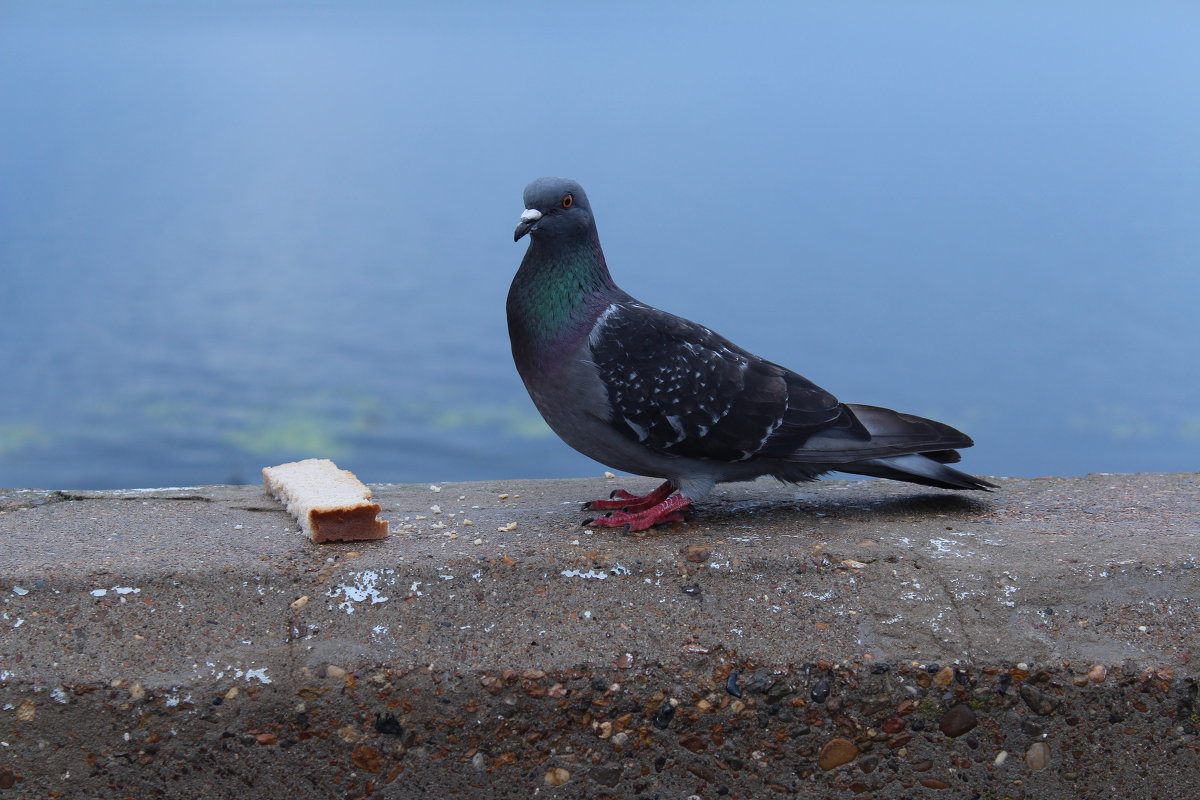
(944, 456)
(889, 433)
(917, 468)
(907, 430)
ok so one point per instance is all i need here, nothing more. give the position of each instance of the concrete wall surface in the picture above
(840, 639)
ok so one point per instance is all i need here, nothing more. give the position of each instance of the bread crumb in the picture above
(512, 526)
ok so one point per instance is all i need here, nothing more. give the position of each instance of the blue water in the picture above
(237, 234)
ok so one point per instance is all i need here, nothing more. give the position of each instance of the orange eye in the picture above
(568, 201)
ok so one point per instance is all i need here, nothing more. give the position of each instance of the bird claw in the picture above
(621, 500)
(668, 510)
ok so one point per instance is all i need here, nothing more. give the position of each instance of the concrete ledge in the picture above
(851, 639)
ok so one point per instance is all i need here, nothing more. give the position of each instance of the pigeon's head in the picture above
(554, 207)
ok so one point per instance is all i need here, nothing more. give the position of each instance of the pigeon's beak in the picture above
(529, 218)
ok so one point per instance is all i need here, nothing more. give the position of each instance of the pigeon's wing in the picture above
(680, 389)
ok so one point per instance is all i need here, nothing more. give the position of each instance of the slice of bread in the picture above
(331, 504)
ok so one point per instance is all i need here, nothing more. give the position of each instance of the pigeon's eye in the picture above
(568, 201)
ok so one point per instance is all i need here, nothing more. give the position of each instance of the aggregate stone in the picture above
(557, 776)
(1037, 757)
(608, 775)
(957, 721)
(1037, 700)
(836, 752)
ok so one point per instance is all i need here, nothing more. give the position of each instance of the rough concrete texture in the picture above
(861, 639)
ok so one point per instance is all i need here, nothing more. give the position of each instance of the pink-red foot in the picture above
(666, 510)
(621, 500)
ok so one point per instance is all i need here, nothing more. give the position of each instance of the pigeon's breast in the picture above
(574, 402)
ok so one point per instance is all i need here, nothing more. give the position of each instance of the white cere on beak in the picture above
(531, 215)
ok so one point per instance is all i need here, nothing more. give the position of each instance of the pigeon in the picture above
(646, 392)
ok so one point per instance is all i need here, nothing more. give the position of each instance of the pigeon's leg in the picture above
(666, 511)
(622, 500)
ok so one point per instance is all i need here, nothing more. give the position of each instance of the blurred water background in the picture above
(233, 234)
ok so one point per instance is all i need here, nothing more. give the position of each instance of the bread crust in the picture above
(331, 504)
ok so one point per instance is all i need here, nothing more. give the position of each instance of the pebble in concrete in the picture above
(1037, 700)
(957, 720)
(557, 776)
(1037, 757)
(836, 752)
(944, 677)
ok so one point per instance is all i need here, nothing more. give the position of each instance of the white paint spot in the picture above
(99, 592)
(259, 674)
(948, 546)
(591, 573)
(364, 587)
